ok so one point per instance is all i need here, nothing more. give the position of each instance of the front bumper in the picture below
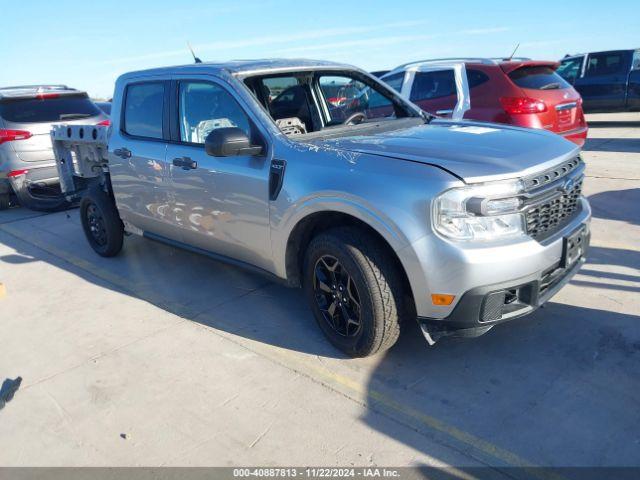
(473, 272)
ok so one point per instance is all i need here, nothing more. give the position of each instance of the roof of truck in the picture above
(244, 67)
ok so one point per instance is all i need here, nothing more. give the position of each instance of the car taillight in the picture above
(105, 123)
(519, 105)
(17, 173)
(13, 135)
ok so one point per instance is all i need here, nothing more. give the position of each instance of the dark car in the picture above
(607, 81)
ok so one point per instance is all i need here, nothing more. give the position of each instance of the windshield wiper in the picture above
(550, 86)
(71, 116)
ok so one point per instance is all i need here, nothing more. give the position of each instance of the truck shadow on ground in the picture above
(550, 382)
(617, 205)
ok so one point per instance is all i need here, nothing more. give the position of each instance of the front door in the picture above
(221, 204)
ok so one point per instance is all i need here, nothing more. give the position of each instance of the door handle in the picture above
(185, 162)
(444, 112)
(122, 153)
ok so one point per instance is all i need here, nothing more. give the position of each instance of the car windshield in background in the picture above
(538, 78)
(305, 102)
(34, 110)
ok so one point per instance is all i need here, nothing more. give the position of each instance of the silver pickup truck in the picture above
(321, 176)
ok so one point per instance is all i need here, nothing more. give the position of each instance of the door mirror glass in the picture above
(230, 142)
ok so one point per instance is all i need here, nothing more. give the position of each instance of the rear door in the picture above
(604, 84)
(541, 82)
(140, 175)
(221, 203)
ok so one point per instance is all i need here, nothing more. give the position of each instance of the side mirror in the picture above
(230, 142)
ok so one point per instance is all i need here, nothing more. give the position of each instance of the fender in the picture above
(332, 202)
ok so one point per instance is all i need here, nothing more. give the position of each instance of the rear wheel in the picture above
(101, 223)
(355, 291)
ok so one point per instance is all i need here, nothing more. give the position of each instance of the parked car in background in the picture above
(27, 164)
(382, 215)
(379, 73)
(607, 81)
(519, 92)
(104, 106)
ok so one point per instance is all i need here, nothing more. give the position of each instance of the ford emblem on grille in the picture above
(569, 184)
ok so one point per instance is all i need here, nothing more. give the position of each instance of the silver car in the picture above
(323, 177)
(27, 164)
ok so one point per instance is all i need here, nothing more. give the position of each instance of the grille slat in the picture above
(544, 219)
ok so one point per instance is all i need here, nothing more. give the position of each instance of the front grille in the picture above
(551, 175)
(545, 218)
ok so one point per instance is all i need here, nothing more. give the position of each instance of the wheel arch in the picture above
(317, 222)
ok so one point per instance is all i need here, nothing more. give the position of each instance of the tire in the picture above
(101, 223)
(4, 201)
(366, 264)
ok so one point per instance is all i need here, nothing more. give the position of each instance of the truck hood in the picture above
(472, 151)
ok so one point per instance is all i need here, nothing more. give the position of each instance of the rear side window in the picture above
(538, 78)
(143, 110)
(33, 110)
(430, 85)
(604, 64)
(475, 78)
(570, 69)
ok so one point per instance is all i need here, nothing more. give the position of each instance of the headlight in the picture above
(481, 212)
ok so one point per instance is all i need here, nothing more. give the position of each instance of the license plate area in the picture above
(574, 246)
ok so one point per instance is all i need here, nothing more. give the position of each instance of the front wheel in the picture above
(354, 289)
(101, 223)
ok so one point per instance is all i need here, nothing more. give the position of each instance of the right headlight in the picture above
(482, 212)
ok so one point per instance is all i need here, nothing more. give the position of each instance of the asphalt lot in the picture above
(163, 357)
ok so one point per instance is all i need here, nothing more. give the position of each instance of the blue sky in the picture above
(88, 44)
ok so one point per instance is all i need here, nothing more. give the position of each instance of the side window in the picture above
(205, 107)
(476, 78)
(143, 110)
(635, 64)
(570, 69)
(394, 81)
(431, 85)
(604, 64)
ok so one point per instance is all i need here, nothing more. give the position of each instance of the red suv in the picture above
(519, 92)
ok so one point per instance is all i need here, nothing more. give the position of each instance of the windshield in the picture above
(305, 102)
